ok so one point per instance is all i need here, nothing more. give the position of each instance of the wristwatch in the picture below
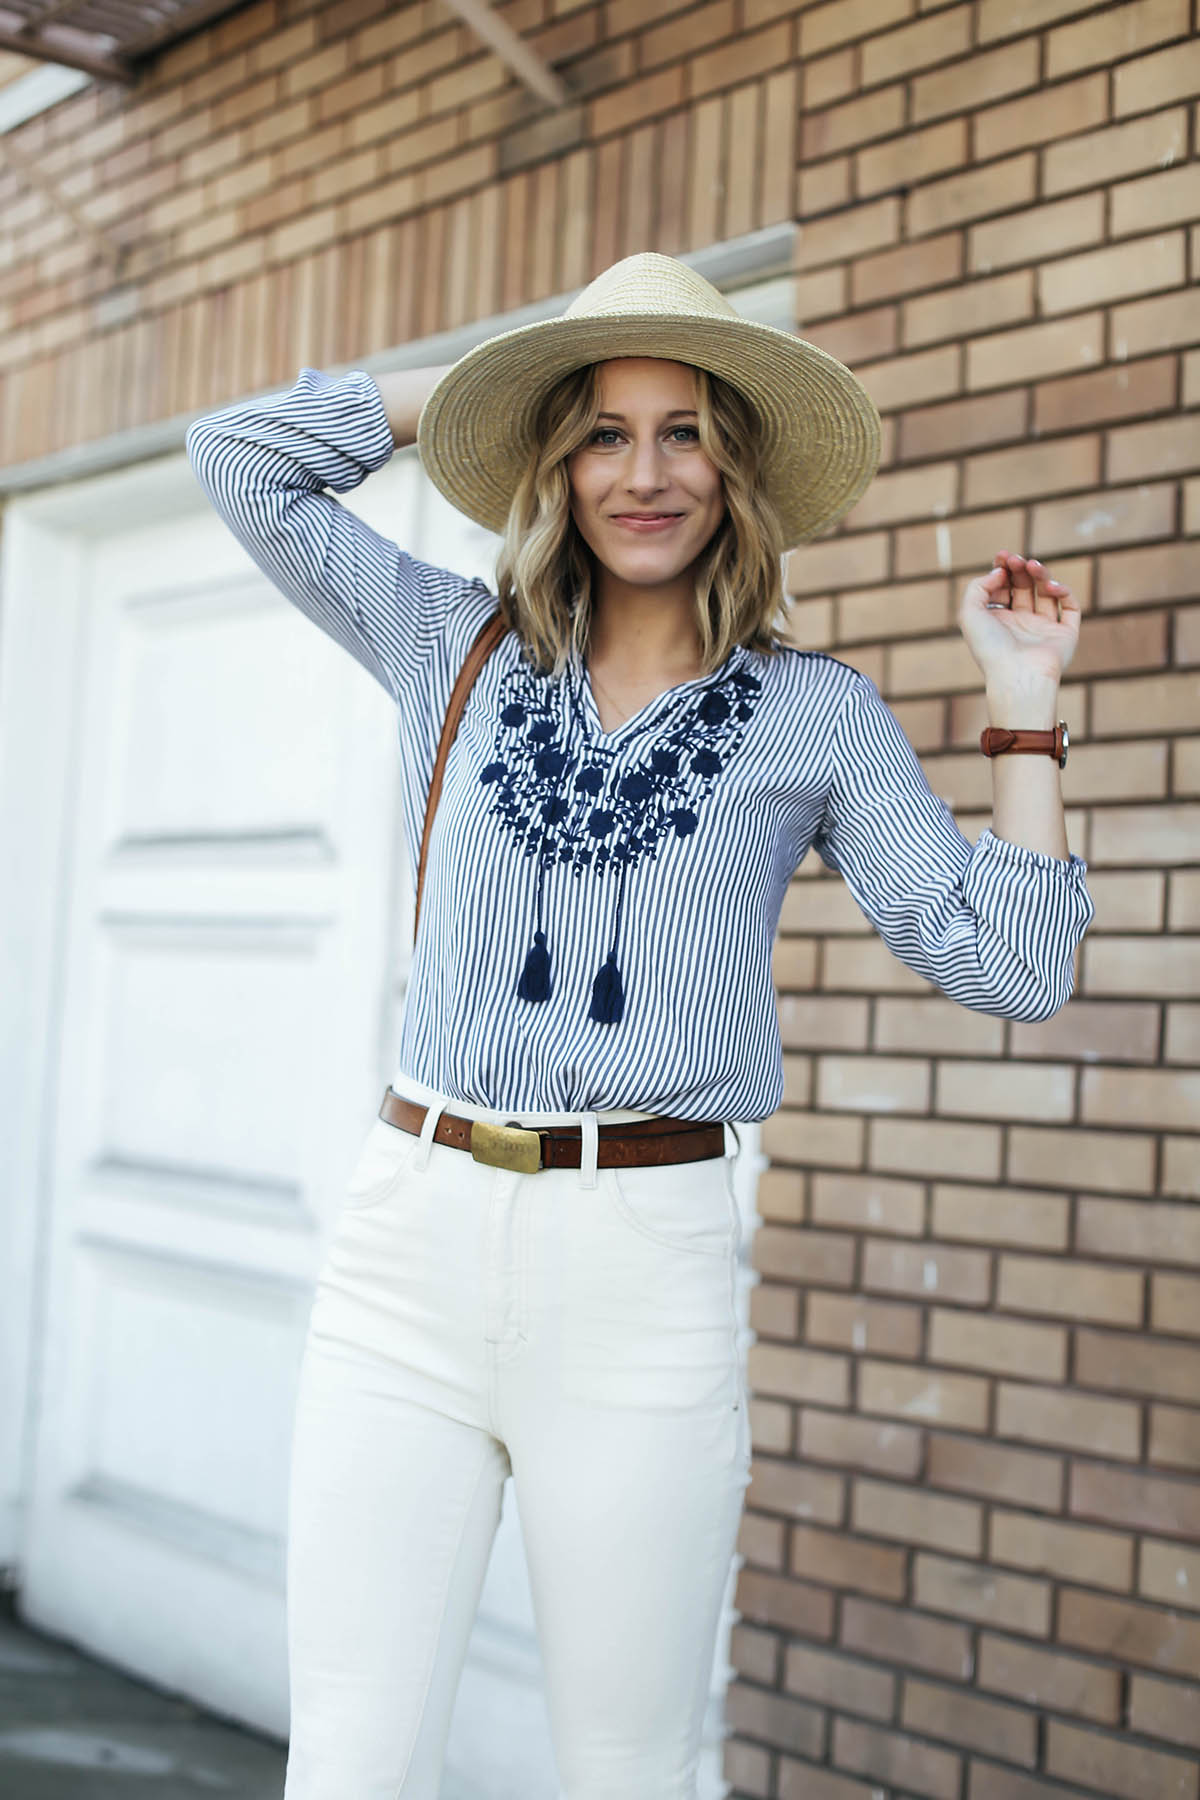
(997, 740)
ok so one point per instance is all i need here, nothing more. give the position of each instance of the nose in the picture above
(644, 474)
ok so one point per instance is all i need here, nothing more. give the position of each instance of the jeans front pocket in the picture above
(386, 1153)
(683, 1206)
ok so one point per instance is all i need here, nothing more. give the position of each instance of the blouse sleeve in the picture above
(265, 464)
(994, 925)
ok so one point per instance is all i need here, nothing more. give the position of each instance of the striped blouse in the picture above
(599, 910)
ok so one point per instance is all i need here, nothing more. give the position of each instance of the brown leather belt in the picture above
(639, 1143)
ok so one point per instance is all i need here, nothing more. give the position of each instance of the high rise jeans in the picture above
(577, 1330)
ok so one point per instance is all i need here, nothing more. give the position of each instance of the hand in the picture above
(1021, 626)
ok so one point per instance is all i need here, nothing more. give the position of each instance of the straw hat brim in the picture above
(820, 428)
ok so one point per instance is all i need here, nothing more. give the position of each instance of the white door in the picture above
(234, 941)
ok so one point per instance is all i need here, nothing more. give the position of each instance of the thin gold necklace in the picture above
(596, 682)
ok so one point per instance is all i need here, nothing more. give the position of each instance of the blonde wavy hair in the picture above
(544, 568)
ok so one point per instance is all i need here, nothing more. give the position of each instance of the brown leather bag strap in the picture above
(489, 636)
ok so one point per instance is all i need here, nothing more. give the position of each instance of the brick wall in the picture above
(972, 1544)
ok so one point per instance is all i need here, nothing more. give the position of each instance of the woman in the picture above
(638, 772)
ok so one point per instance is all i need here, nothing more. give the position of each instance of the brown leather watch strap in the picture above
(998, 740)
(489, 635)
(638, 1143)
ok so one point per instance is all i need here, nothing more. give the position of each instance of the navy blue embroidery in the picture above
(570, 799)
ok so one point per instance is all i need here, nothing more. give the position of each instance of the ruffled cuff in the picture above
(1034, 908)
(351, 424)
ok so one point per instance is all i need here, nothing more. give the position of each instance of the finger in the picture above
(994, 586)
(1022, 584)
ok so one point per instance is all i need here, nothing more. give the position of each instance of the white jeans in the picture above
(579, 1332)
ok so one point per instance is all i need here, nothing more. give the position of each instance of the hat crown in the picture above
(658, 286)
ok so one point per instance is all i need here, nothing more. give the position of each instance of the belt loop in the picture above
(589, 1149)
(429, 1125)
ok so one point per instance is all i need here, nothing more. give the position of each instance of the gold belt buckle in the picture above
(506, 1147)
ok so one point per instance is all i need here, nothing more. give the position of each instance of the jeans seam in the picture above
(437, 1642)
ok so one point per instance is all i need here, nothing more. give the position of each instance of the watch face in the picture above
(1066, 740)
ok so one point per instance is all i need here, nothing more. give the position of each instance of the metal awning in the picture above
(108, 38)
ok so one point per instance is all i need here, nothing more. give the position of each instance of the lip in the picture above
(645, 523)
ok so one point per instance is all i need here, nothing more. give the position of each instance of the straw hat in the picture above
(820, 427)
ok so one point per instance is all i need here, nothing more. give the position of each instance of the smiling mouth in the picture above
(646, 521)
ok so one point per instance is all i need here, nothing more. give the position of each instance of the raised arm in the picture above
(265, 465)
(994, 924)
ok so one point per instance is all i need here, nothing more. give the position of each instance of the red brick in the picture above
(810, 1255)
(1070, 1290)
(798, 1374)
(947, 1585)
(837, 22)
(934, 1148)
(922, 1395)
(848, 1322)
(962, 424)
(761, 1541)
(1143, 576)
(636, 100)
(1155, 80)
(895, 1636)
(885, 1449)
(1170, 1573)
(797, 1493)
(923, 1270)
(1128, 1497)
(958, 1718)
(991, 1782)
(1175, 1437)
(1077, 105)
(1045, 1678)
(912, 157)
(908, 380)
(841, 1681)
(1077, 1158)
(1157, 324)
(794, 1606)
(1002, 1346)
(837, 563)
(845, 1562)
(868, 1201)
(1042, 231)
(1088, 1030)
(1111, 393)
(1165, 1709)
(1109, 516)
(915, 46)
(775, 1310)
(1175, 1304)
(900, 610)
(1146, 966)
(1029, 471)
(864, 228)
(1137, 1365)
(1152, 142)
(907, 269)
(1066, 1551)
(1140, 1230)
(964, 311)
(1039, 1091)
(907, 494)
(775, 1718)
(1001, 1216)
(801, 1781)
(936, 1024)
(1033, 351)
(974, 82)
(972, 194)
(855, 122)
(887, 1756)
(1118, 1766)
(1164, 447)
(1169, 1098)
(1054, 1416)
(994, 1471)
(916, 1517)
(747, 1767)
(1183, 1022)
(755, 1654)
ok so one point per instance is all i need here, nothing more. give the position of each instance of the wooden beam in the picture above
(55, 51)
(27, 169)
(512, 50)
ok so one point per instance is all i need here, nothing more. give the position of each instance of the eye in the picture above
(605, 435)
(687, 433)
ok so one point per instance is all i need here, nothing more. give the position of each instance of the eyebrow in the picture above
(680, 412)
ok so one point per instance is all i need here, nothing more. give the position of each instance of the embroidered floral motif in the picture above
(592, 805)
(570, 798)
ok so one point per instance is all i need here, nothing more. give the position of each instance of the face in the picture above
(644, 495)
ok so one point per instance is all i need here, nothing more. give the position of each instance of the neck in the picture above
(637, 631)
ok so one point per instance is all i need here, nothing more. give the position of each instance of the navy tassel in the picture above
(608, 994)
(535, 976)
